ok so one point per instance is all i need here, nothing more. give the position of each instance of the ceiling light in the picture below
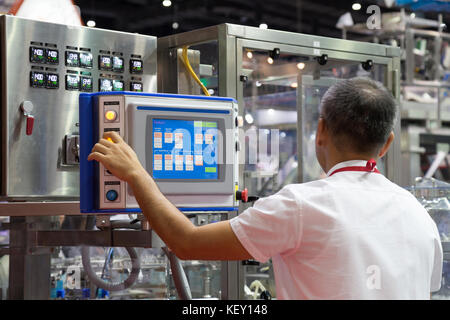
(175, 25)
(356, 6)
(301, 66)
(249, 118)
(263, 26)
(249, 54)
(167, 3)
(90, 23)
(269, 60)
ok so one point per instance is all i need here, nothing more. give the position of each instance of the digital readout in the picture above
(37, 55)
(136, 86)
(136, 66)
(86, 84)
(52, 56)
(105, 85)
(118, 85)
(72, 59)
(104, 63)
(37, 79)
(118, 64)
(86, 60)
(72, 82)
(52, 81)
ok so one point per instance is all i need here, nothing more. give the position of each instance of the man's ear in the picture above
(322, 133)
(386, 145)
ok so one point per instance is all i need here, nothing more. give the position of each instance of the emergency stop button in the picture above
(112, 195)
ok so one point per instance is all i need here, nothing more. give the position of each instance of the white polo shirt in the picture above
(352, 235)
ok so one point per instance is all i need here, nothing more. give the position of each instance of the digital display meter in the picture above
(37, 79)
(104, 62)
(86, 60)
(52, 81)
(136, 66)
(52, 56)
(86, 84)
(72, 59)
(105, 85)
(118, 64)
(37, 55)
(136, 86)
(118, 85)
(72, 82)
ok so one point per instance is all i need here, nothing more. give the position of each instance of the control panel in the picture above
(78, 62)
(186, 143)
(44, 69)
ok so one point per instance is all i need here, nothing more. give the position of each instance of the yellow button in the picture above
(110, 115)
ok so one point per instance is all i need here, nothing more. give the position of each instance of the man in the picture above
(352, 235)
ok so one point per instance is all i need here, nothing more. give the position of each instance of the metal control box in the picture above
(44, 67)
(188, 144)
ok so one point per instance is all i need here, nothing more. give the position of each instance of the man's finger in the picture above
(106, 142)
(112, 135)
(98, 147)
(96, 156)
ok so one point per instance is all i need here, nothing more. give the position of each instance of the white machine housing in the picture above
(135, 115)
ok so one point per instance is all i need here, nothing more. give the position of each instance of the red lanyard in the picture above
(370, 167)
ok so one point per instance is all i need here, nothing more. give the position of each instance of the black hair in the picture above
(359, 113)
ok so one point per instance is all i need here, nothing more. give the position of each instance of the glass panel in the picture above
(4, 259)
(314, 81)
(71, 275)
(271, 101)
(204, 61)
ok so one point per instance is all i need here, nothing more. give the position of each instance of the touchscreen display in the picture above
(185, 149)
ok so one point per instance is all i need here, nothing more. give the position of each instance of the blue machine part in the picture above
(89, 136)
(426, 5)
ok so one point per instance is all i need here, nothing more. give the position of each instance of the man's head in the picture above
(356, 121)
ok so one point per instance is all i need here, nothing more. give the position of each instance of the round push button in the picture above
(110, 115)
(112, 195)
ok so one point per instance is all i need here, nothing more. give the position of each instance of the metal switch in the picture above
(72, 149)
(27, 109)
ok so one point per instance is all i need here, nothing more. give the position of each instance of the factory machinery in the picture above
(70, 230)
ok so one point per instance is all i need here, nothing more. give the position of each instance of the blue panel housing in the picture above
(88, 138)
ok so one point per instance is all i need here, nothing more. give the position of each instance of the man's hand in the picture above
(117, 157)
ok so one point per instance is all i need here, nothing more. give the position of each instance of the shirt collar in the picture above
(350, 163)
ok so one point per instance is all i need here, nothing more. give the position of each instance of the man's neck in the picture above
(332, 161)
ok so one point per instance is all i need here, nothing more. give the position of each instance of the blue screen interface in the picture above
(185, 149)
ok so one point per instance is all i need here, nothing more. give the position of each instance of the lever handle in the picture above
(27, 108)
(30, 124)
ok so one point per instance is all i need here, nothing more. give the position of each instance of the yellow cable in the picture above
(191, 71)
